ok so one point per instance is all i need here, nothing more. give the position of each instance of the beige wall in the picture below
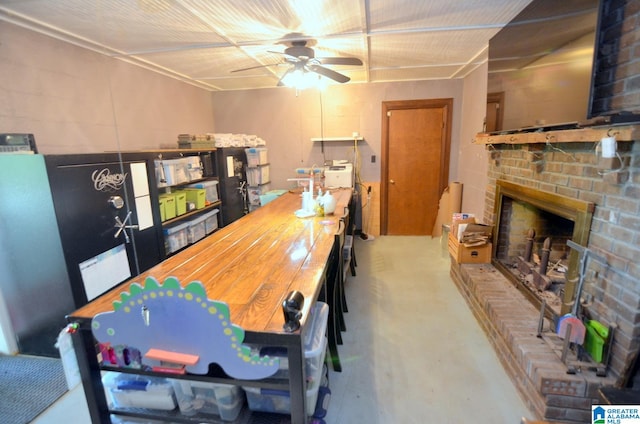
(76, 101)
(288, 121)
(472, 158)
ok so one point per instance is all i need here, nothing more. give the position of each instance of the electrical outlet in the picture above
(373, 158)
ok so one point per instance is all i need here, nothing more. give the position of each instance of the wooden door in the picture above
(495, 108)
(415, 164)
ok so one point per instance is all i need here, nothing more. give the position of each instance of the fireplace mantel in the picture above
(579, 135)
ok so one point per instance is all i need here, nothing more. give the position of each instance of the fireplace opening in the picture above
(530, 243)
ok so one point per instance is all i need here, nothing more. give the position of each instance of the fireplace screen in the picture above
(530, 242)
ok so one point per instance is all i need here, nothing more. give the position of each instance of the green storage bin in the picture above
(181, 202)
(161, 206)
(197, 196)
(595, 340)
(169, 201)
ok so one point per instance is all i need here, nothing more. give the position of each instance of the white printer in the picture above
(339, 174)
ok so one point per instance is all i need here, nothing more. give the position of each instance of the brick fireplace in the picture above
(526, 218)
(565, 163)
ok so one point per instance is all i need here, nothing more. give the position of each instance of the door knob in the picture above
(116, 202)
(392, 181)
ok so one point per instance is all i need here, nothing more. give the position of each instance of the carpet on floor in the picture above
(28, 385)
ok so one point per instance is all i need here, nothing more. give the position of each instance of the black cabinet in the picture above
(106, 219)
(230, 164)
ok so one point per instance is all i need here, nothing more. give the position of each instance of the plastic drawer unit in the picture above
(257, 156)
(258, 176)
(267, 400)
(254, 193)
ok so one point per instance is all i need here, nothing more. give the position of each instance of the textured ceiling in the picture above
(203, 41)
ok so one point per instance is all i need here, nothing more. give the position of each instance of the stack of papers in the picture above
(476, 235)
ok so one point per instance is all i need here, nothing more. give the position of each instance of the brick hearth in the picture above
(534, 364)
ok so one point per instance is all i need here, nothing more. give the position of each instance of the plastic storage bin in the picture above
(161, 206)
(176, 237)
(256, 156)
(181, 202)
(315, 342)
(210, 188)
(254, 193)
(197, 196)
(196, 229)
(172, 171)
(198, 397)
(258, 176)
(194, 167)
(120, 419)
(139, 391)
(211, 221)
(168, 201)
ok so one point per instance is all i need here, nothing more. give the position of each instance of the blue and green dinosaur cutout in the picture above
(182, 320)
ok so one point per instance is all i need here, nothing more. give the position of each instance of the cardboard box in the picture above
(469, 255)
(455, 223)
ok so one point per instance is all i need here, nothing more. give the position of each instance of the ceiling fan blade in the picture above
(339, 61)
(256, 67)
(329, 73)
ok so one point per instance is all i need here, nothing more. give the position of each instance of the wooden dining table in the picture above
(252, 265)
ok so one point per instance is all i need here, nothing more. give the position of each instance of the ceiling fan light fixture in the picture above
(301, 79)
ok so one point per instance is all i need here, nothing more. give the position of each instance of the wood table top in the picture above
(251, 264)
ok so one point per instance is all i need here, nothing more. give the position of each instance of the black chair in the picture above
(332, 296)
(350, 252)
(347, 250)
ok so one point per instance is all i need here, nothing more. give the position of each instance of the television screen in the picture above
(540, 65)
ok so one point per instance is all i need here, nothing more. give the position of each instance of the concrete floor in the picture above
(412, 353)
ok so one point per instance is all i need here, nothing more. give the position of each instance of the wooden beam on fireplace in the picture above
(582, 135)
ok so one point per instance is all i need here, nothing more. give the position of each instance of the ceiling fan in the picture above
(301, 58)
